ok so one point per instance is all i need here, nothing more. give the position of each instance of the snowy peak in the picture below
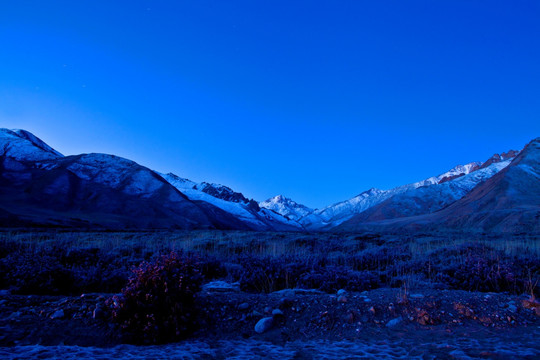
(234, 203)
(36, 141)
(459, 171)
(22, 145)
(286, 207)
(223, 192)
(338, 213)
(498, 158)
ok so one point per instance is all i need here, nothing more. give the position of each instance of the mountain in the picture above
(223, 197)
(21, 145)
(286, 207)
(506, 202)
(40, 187)
(336, 214)
(428, 199)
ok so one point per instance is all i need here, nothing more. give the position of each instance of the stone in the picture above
(264, 325)
(221, 286)
(58, 314)
(277, 313)
(394, 322)
(98, 313)
(243, 306)
(341, 292)
(342, 299)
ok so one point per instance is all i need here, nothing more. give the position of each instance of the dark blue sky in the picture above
(317, 100)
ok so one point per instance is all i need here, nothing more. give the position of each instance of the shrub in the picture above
(157, 305)
(332, 278)
(39, 275)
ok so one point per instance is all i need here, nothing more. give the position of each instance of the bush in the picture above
(157, 305)
(38, 275)
(332, 278)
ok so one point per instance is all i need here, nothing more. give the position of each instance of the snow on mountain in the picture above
(115, 172)
(505, 200)
(24, 146)
(286, 207)
(232, 202)
(427, 199)
(338, 213)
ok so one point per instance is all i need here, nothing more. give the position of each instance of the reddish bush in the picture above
(157, 305)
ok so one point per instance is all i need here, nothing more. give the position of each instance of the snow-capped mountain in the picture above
(506, 202)
(336, 214)
(427, 199)
(40, 186)
(286, 207)
(232, 202)
(21, 145)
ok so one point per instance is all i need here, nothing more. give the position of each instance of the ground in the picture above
(396, 323)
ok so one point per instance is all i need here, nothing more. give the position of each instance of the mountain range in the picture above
(40, 187)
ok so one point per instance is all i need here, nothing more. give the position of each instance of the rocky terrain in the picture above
(299, 324)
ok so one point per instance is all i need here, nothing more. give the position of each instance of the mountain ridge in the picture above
(42, 187)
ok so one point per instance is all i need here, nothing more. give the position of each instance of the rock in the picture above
(372, 310)
(58, 314)
(285, 303)
(98, 313)
(512, 308)
(277, 313)
(14, 315)
(342, 299)
(394, 322)
(287, 300)
(264, 325)
(5, 292)
(341, 292)
(243, 306)
(221, 286)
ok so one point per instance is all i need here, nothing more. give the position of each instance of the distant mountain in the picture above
(223, 197)
(508, 201)
(40, 187)
(427, 199)
(286, 207)
(23, 146)
(336, 214)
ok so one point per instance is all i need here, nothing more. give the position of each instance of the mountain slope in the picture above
(94, 190)
(234, 203)
(24, 146)
(41, 187)
(427, 199)
(338, 213)
(507, 202)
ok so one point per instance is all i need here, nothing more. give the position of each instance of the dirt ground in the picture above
(293, 315)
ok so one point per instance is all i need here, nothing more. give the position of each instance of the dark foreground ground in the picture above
(395, 297)
(382, 323)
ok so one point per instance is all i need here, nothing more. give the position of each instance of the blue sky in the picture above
(316, 100)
